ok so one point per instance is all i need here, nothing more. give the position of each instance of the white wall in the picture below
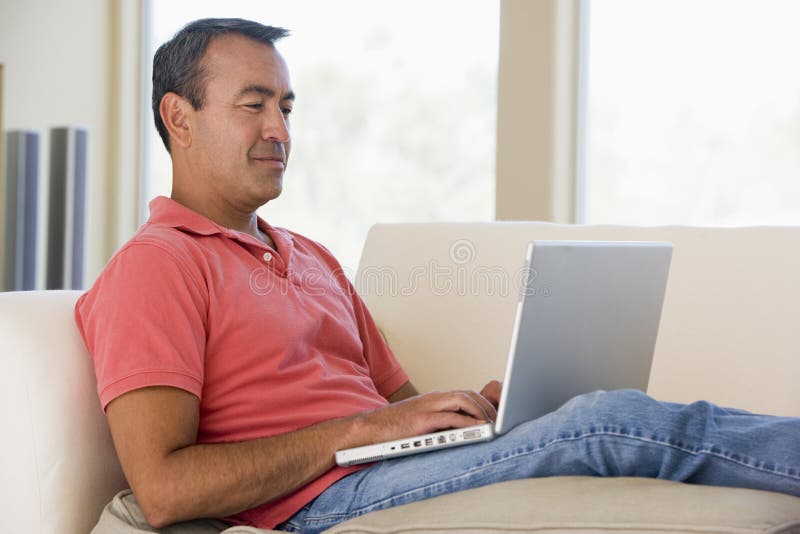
(77, 63)
(56, 69)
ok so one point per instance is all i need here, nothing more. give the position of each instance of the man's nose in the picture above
(275, 127)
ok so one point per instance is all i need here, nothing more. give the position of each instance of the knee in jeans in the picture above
(606, 402)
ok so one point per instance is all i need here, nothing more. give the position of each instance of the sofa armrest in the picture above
(58, 461)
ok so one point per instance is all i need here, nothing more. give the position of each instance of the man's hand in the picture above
(430, 412)
(491, 392)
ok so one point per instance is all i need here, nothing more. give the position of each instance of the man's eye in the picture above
(257, 105)
(286, 111)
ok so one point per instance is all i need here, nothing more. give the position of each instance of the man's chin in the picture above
(270, 193)
(262, 187)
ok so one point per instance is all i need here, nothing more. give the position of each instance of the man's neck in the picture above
(225, 215)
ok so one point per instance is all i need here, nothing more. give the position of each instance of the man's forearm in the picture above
(250, 473)
(217, 480)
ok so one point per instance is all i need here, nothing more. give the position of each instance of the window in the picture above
(693, 112)
(395, 112)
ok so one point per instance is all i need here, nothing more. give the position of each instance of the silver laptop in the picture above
(587, 320)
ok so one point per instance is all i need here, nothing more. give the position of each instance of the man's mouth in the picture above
(269, 159)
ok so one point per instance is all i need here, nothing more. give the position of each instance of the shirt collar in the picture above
(168, 212)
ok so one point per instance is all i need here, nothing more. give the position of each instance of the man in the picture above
(228, 402)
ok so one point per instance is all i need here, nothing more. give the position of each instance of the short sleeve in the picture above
(144, 322)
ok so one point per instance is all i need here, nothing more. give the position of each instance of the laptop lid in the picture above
(587, 319)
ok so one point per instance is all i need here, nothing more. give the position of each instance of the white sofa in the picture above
(729, 334)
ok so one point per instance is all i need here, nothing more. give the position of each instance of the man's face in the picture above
(240, 142)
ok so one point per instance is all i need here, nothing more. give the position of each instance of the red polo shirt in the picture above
(269, 340)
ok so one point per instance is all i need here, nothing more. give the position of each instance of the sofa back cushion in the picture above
(58, 461)
(444, 295)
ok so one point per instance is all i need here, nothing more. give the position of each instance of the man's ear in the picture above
(175, 110)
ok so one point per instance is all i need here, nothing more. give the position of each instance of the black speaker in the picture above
(67, 214)
(21, 210)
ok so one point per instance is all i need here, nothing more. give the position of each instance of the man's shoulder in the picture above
(167, 237)
(154, 245)
(156, 262)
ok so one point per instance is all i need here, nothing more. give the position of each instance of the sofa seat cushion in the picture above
(587, 504)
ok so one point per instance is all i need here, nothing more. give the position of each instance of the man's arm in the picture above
(175, 479)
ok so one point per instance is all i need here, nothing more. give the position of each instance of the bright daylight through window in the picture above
(693, 112)
(395, 113)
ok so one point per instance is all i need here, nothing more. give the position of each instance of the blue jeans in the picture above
(619, 433)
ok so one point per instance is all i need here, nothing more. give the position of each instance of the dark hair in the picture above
(177, 64)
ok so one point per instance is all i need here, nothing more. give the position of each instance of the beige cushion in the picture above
(443, 295)
(582, 505)
(560, 504)
(124, 516)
